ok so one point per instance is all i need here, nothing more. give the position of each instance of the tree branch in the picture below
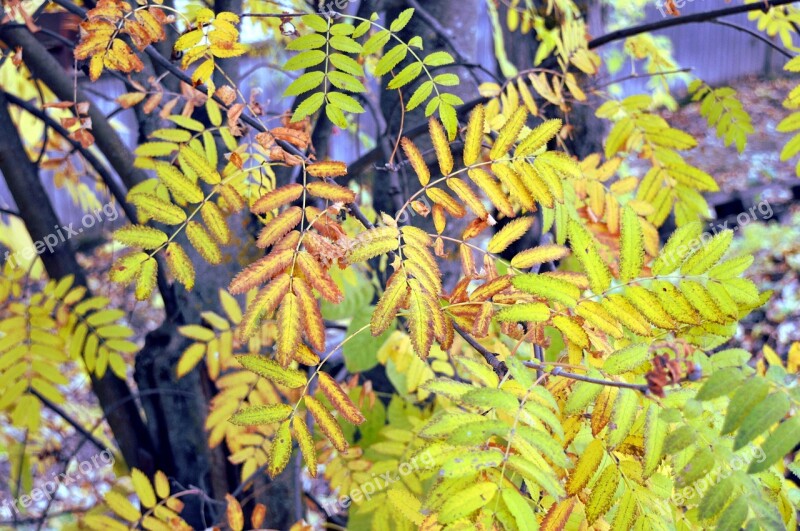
(501, 369)
(72, 422)
(101, 169)
(687, 19)
(756, 35)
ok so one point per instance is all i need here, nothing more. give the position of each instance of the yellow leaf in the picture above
(513, 231)
(539, 255)
(190, 358)
(188, 40)
(272, 371)
(465, 193)
(508, 134)
(181, 187)
(571, 330)
(306, 444)
(279, 227)
(313, 325)
(417, 161)
(197, 162)
(328, 168)
(558, 515)
(234, 513)
(649, 306)
(326, 423)
(493, 190)
(393, 298)
(418, 319)
(216, 223)
(586, 467)
(631, 246)
(699, 297)
(263, 305)
(289, 321)
(261, 271)
(406, 503)
(318, 277)
(448, 202)
(263, 414)
(624, 312)
(141, 236)
(602, 495)
(331, 192)
(281, 450)
(277, 198)
(162, 485)
(121, 506)
(203, 243)
(677, 248)
(524, 312)
(146, 281)
(708, 255)
(143, 488)
(538, 188)
(515, 184)
(441, 145)
(180, 265)
(474, 137)
(127, 268)
(585, 250)
(538, 138)
(339, 399)
(374, 242)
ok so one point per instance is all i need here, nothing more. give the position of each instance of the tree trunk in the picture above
(40, 219)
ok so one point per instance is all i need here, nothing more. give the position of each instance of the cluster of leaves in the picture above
(330, 47)
(211, 37)
(159, 507)
(101, 35)
(164, 200)
(48, 326)
(724, 111)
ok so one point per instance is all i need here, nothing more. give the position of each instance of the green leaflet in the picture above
(716, 498)
(623, 416)
(584, 248)
(468, 501)
(778, 444)
(720, 383)
(549, 288)
(627, 359)
(762, 416)
(679, 439)
(743, 401)
(470, 463)
(631, 246)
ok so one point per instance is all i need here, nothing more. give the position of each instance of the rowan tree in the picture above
(505, 312)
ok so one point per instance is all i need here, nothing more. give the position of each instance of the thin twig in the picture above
(756, 35)
(72, 422)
